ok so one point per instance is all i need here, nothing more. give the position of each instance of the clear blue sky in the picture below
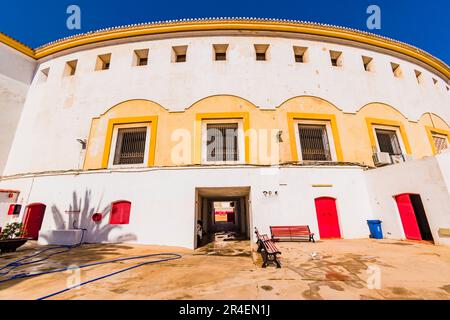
(425, 24)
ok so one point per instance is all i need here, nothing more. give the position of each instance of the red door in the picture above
(327, 218)
(34, 216)
(408, 217)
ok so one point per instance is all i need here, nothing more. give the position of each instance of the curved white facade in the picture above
(61, 110)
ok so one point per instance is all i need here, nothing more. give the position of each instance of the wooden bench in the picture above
(292, 233)
(268, 250)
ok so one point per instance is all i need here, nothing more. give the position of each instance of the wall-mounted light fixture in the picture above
(280, 136)
(83, 143)
(270, 193)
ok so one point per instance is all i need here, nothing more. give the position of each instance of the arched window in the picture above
(120, 212)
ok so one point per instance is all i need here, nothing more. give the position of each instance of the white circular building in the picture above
(135, 133)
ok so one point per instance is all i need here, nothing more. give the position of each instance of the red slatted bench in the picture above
(268, 249)
(292, 233)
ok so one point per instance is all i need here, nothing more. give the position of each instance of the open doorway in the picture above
(223, 213)
(413, 217)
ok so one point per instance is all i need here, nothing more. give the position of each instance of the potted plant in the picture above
(12, 237)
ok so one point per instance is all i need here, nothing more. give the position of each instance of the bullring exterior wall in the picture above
(72, 105)
(47, 164)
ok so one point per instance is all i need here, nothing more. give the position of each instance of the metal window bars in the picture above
(222, 142)
(314, 143)
(130, 146)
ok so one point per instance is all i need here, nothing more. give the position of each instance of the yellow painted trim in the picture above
(117, 121)
(372, 121)
(430, 131)
(313, 116)
(322, 186)
(221, 116)
(17, 45)
(235, 24)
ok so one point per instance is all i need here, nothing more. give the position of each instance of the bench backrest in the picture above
(290, 231)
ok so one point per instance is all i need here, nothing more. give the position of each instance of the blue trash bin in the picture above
(375, 229)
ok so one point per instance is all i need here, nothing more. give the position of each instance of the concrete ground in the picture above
(337, 269)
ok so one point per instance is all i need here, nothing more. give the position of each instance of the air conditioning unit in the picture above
(382, 158)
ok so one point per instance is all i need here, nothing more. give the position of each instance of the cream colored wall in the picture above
(16, 73)
(60, 111)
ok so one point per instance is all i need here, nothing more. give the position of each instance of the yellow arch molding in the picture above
(430, 131)
(237, 24)
(152, 144)
(311, 116)
(372, 121)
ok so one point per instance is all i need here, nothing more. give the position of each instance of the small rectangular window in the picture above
(336, 58)
(140, 57)
(220, 52)
(300, 54)
(368, 63)
(43, 75)
(222, 142)
(130, 146)
(103, 62)
(396, 70)
(179, 53)
(261, 51)
(440, 142)
(388, 142)
(418, 76)
(314, 142)
(70, 68)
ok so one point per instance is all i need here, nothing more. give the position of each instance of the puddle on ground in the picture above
(226, 244)
(267, 288)
(398, 243)
(332, 272)
(446, 288)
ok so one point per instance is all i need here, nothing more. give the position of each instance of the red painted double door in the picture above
(34, 215)
(408, 217)
(327, 218)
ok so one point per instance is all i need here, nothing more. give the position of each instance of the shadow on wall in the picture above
(79, 216)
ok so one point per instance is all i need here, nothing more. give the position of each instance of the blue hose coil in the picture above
(20, 263)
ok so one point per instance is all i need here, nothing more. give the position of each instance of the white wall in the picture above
(424, 177)
(60, 110)
(16, 73)
(163, 201)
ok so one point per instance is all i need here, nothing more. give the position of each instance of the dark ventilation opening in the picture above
(421, 217)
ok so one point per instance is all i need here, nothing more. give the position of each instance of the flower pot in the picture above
(11, 245)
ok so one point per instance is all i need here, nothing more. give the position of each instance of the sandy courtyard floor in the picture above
(338, 269)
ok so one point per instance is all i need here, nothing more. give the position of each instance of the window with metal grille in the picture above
(388, 142)
(314, 142)
(130, 146)
(222, 142)
(440, 142)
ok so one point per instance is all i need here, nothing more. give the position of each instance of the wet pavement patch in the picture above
(267, 288)
(446, 288)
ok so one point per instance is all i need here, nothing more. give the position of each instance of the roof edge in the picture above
(206, 24)
(17, 45)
